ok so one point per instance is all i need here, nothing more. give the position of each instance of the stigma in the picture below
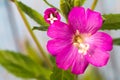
(52, 19)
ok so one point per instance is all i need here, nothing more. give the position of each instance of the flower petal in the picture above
(101, 40)
(77, 19)
(79, 64)
(57, 45)
(94, 21)
(65, 59)
(59, 30)
(97, 57)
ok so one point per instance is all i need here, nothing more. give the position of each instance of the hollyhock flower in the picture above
(51, 15)
(77, 44)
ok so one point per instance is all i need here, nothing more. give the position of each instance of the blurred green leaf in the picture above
(116, 41)
(22, 66)
(59, 74)
(112, 22)
(33, 14)
(79, 2)
(65, 8)
(32, 52)
(92, 74)
(40, 28)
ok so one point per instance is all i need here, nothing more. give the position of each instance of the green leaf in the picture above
(112, 22)
(79, 2)
(22, 66)
(41, 28)
(116, 41)
(65, 8)
(33, 14)
(59, 74)
(32, 52)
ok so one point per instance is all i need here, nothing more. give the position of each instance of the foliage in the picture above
(59, 74)
(40, 28)
(116, 41)
(65, 8)
(22, 66)
(79, 2)
(112, 22)
(33, 14)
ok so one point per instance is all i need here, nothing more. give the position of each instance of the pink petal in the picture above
(77, 19)
(101, 40)
(94, 21)
(65, 59)
(79, 65)
(59, 30)
(97, 57)
(57, 45)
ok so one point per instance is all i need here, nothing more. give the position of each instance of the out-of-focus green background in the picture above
(13, 33)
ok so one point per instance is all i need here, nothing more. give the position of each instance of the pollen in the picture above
(78, 41)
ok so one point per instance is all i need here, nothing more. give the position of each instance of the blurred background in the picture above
(13, 33)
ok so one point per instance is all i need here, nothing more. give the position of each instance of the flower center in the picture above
(78, 41)
(52, 18)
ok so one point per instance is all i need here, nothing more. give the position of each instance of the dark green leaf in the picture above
(22, 66)
(33, 14)
(112, 22)
(116, 41)
(59, 74)
(41, 28)
(79, 2)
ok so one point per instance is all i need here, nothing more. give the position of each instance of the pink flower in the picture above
(78, 43)
(51, 15)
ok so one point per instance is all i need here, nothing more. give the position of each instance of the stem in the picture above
(62, 74)
(94, 4)
(75, 77)
(50, 5)
(33, 36)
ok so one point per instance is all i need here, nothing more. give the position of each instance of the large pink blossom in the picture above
(77, 44)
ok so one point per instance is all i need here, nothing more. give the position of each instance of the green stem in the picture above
(33, 36)
(75, 77)
(50, 5)
(94, 4)
(62, 74)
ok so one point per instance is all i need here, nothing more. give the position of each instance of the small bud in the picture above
(51, 15)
